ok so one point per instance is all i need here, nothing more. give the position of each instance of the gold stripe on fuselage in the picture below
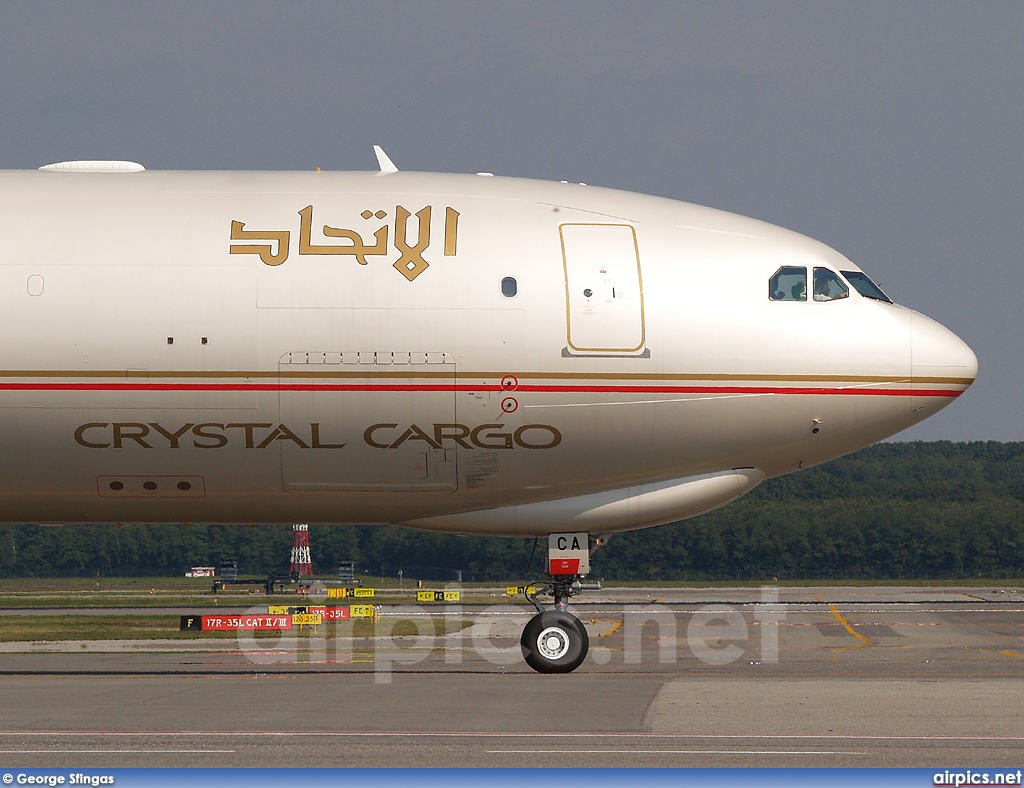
(322, 372)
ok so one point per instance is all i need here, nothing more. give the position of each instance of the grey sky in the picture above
(891, 131)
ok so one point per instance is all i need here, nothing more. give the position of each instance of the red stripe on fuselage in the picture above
(542, 389)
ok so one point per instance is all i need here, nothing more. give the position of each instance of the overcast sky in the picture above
(891, 131)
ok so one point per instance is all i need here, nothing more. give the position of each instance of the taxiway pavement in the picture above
(712, 677)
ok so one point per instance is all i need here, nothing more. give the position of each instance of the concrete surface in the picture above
(826, 677)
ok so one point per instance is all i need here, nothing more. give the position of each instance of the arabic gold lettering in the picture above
(411, 263)
(451, 231)
(265, 251)
(306, 230)
(358, 249)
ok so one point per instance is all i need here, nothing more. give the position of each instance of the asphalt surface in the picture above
(713, 677)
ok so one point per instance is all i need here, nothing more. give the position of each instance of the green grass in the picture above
(61, 593)
(79, 593)
(50, 628)
(195, 584)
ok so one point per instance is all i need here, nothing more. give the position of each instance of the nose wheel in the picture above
(554, 642)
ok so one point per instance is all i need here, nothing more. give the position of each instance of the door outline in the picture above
(568, 308)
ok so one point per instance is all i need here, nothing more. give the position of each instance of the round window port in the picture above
(184, 486)
(587, 293)
(149, 486)
(116, 486)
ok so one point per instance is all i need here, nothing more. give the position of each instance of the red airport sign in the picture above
(234, 623)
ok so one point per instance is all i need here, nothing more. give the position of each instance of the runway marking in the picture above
(863, 623)
(675, 752)
(806, 608)
(866, 640)
(1005, 652)
(616, 626)
(115, 752)
(516, 735)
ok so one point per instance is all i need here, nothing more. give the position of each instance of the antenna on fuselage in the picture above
(386, 165)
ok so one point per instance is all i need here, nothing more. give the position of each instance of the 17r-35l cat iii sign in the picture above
(569, 554)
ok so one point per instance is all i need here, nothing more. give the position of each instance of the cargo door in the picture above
(368, 421)
(603, 289)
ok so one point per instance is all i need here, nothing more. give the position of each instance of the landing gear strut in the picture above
(555, 641)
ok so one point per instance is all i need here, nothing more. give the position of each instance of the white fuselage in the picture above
(321, 347)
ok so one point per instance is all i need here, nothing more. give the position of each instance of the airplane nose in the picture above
(936, 352)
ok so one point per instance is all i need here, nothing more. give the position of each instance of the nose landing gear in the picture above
(555, 641)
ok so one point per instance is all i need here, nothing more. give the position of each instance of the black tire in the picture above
(564, 646)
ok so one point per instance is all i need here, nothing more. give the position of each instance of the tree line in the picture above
(924, 510)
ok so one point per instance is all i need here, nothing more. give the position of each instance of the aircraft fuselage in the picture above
(462, 353)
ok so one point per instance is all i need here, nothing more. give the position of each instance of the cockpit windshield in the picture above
(789, 283)
(828, 286)
(863, 285)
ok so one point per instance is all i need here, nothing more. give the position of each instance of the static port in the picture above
(149, 486)
(184, 486)
(116, 486)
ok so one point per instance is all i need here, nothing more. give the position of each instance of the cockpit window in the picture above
(828, 286)
(865, 286)
(789, 283)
